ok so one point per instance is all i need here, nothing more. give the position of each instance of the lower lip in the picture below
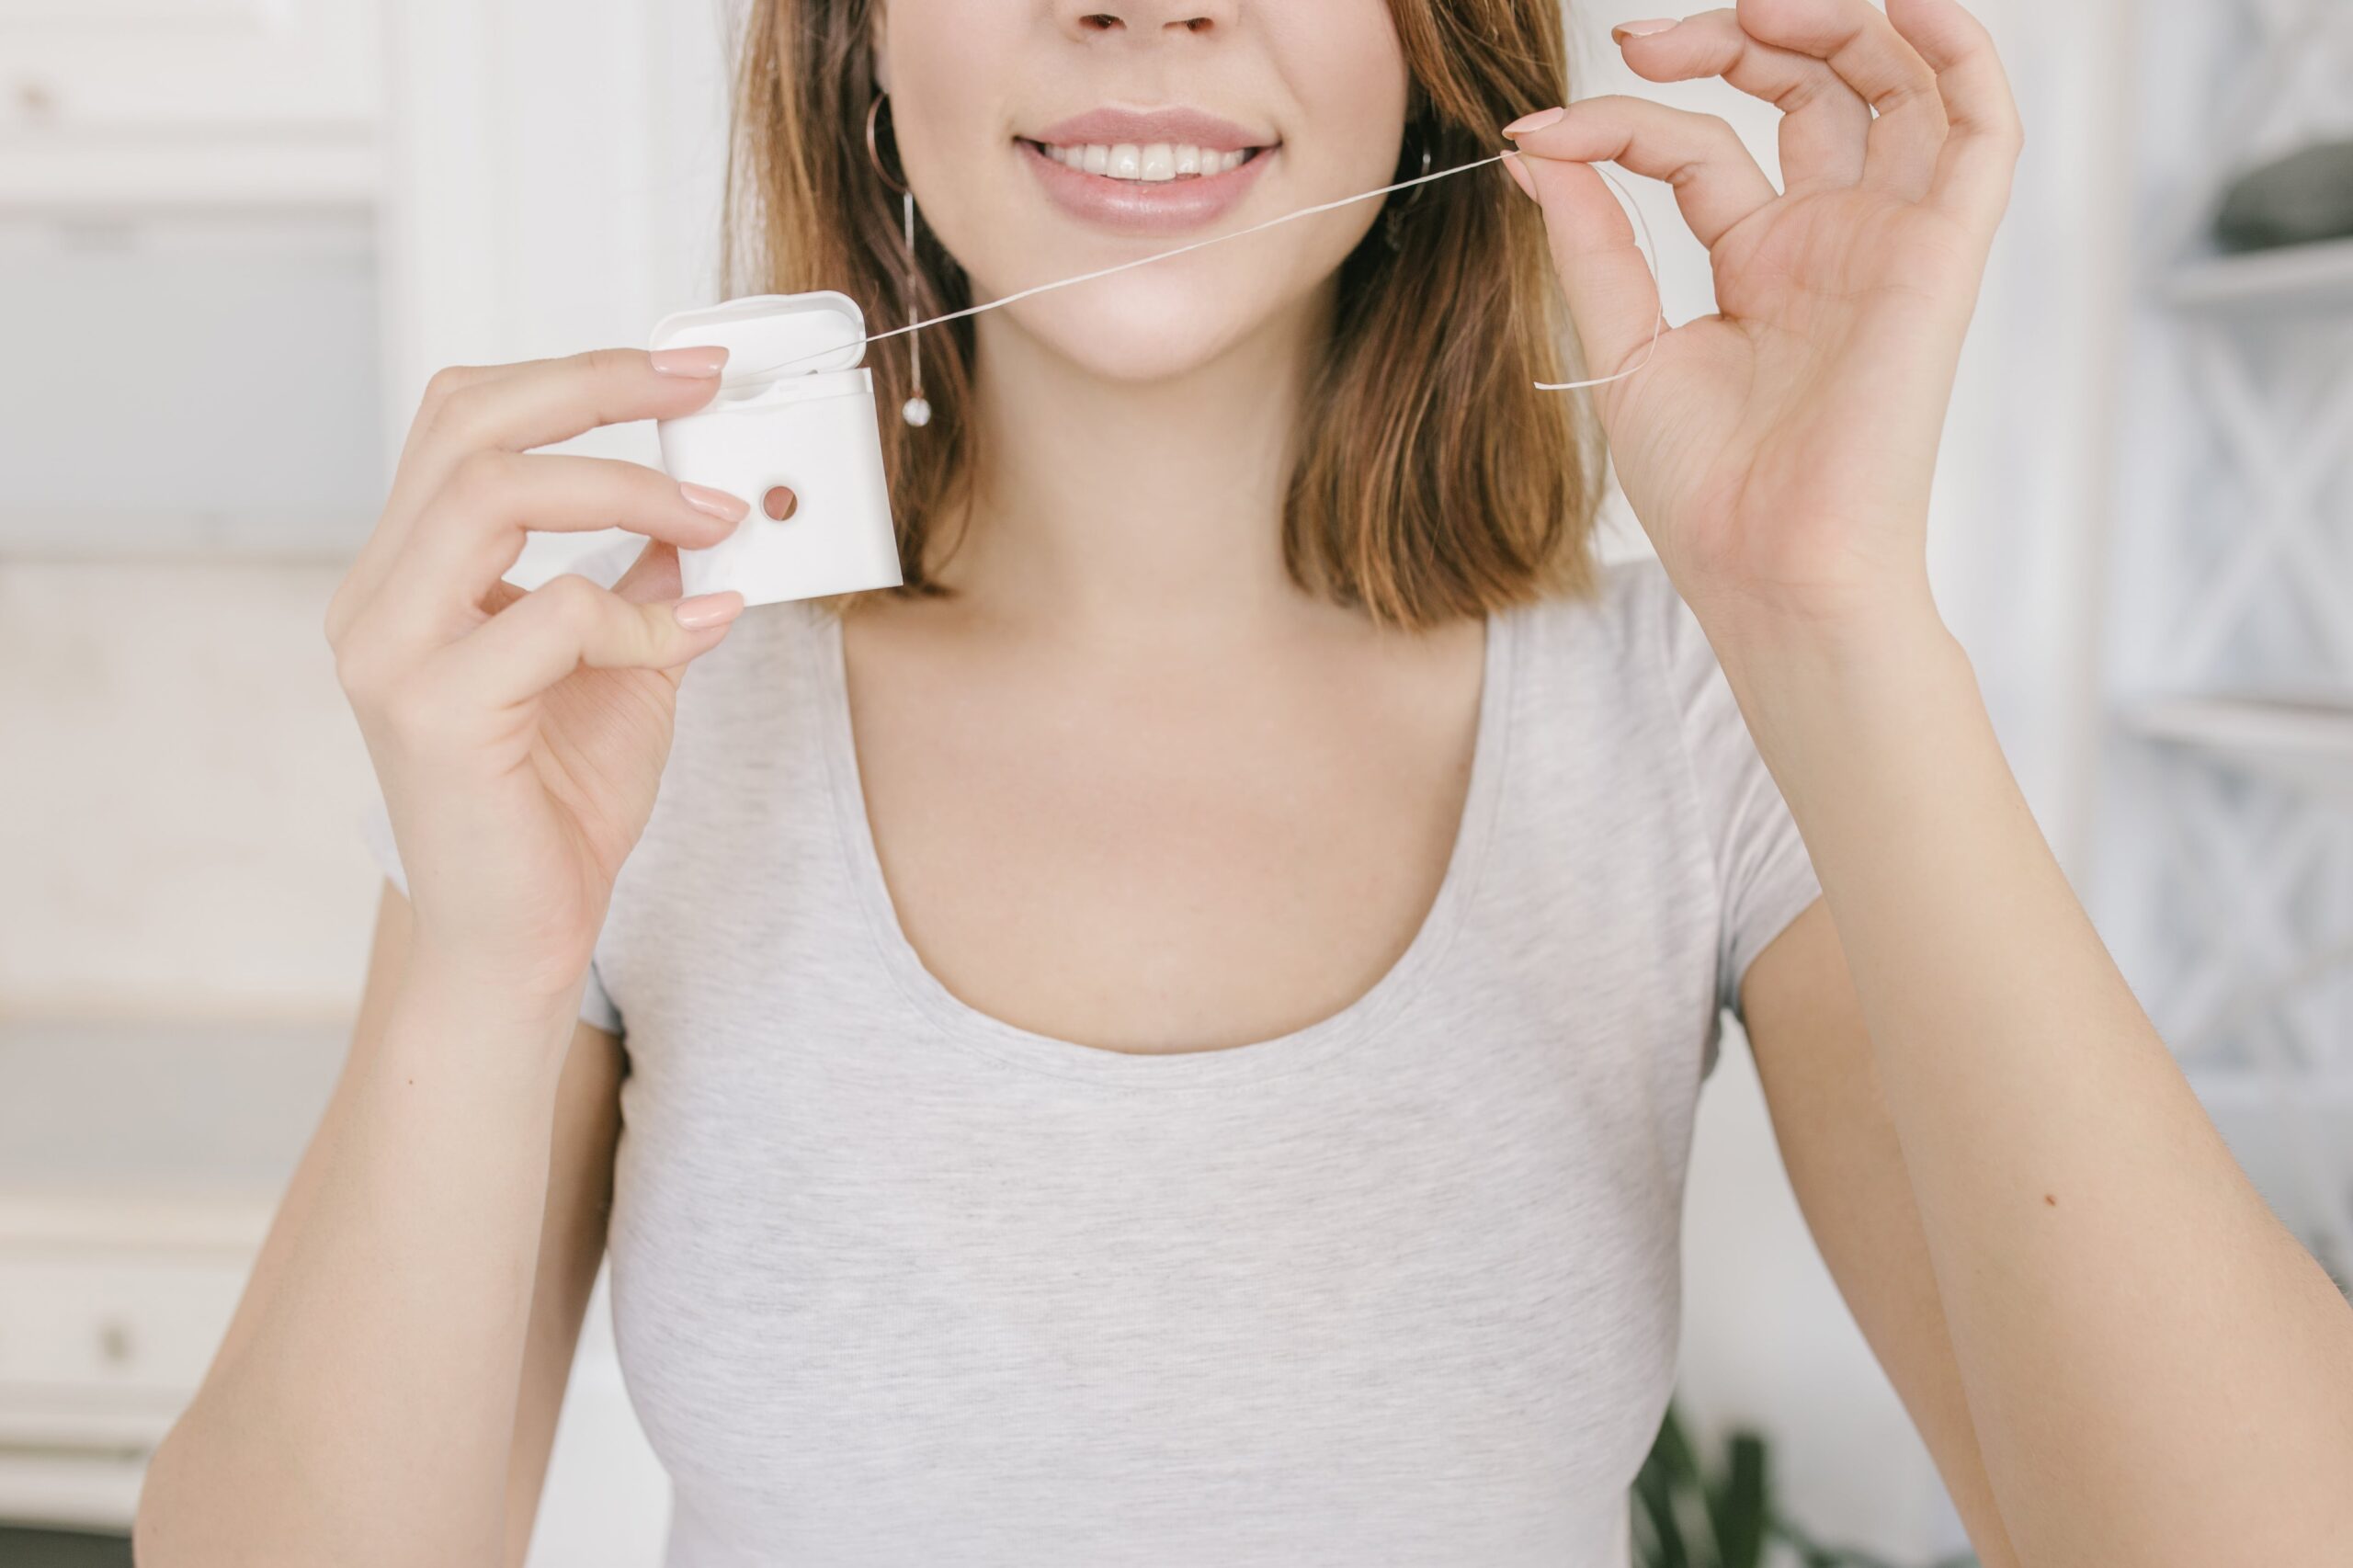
(1146, 207)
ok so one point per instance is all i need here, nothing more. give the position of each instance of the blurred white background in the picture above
(237, 236)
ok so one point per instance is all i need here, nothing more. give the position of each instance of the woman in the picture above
(1173, 1039)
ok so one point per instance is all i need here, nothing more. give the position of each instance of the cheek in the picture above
(1343, 62)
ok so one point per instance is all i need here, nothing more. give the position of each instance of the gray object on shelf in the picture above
(2296, 200)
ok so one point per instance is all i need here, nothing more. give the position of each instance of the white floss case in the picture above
(809, 428)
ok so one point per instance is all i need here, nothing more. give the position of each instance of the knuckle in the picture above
(658, 631)
(576, 604)
(412, 710)
(478, 482)
(608, 362)
(454, 416)
(360, 670)
(336, 618)
(443, 387)
(444, 382)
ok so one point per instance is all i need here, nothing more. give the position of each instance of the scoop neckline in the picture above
(968, 1028)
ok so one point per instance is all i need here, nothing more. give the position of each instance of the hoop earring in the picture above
(873, 154)
(916, 410)
(1393, 221)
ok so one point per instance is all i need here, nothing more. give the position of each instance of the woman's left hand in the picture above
(1779, 452)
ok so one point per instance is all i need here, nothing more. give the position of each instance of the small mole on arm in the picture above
(2046, 1198)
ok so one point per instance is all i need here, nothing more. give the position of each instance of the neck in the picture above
(1133, 507)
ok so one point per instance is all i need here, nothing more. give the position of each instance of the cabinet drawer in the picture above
(112, 1323)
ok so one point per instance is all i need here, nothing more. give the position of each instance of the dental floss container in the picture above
(811, 428)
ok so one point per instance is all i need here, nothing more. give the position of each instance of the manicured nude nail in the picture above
(718, 502)
(1646, 28)
(698, 360)
(1537, 122)
(705, 610)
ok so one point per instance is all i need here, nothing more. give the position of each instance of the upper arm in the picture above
(572, 1236)
(1814, 1059)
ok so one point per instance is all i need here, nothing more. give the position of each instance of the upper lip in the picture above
(1178, 127)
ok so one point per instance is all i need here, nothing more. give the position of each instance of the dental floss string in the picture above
(1649, 247)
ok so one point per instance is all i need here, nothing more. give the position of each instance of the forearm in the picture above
(2158, 1372)
(367, 1414)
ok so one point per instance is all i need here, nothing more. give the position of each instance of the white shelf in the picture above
(2305, 741)
(2318, 275)
(155, 535)
(199, 171)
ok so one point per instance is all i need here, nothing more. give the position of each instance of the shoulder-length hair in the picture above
(1432, 481)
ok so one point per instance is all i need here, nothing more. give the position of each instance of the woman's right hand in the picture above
(519, 737)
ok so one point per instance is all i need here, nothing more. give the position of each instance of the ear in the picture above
(874, 47)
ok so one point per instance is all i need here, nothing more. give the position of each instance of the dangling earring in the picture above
(915, 410)
(1393, 221)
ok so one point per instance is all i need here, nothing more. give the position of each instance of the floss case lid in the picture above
(762, 331)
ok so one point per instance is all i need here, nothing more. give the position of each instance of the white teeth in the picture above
(1148, 161)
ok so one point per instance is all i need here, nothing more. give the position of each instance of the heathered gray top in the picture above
(896, 1282)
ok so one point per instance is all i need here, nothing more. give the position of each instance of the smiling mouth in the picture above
(1155, 163)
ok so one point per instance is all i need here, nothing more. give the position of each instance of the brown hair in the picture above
(1432, 480)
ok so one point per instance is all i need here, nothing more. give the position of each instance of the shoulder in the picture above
(1631, 641)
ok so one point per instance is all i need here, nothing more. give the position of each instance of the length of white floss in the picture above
(815, 433)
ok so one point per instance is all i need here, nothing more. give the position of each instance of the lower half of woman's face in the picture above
(1044, 138)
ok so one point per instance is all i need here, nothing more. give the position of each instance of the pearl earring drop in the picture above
(916, 410)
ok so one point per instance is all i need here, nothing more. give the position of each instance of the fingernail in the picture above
(1537, 122)
(1520, 176)
(706, 610)
(1645, 29)
(699, 360)
(718, 502)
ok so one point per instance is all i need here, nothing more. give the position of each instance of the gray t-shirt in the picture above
(898, 1282)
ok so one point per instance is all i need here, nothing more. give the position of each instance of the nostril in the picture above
(779, 502)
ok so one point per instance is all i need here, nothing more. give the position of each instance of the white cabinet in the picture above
(186, 102)
(188, 192)
(138, 1170)
(111, 1310)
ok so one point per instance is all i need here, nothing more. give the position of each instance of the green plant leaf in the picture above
(1739, 1512)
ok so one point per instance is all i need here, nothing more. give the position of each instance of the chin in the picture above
(1130, 336)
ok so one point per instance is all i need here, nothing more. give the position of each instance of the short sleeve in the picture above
(1765, 879)
(376, 830)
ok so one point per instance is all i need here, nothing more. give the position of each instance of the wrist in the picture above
(1825, 697)
(1826, 631)
(456, 988)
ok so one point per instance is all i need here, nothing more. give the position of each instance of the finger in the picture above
(1613, 299)
(406, 496)
(1887, 72)
(1824, 121)
(653, 575)
(1975, 167)
(517, 406)
(569, 621)
(1716, 182)
(475, 531)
